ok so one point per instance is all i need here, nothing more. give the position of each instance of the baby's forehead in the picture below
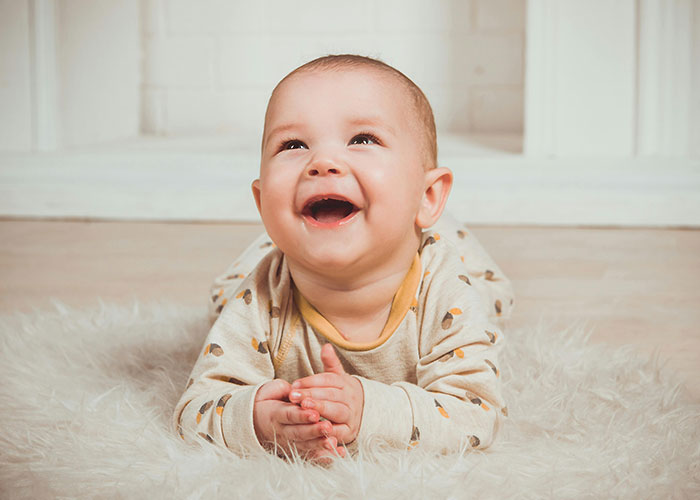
(290, 88)
(366, 71)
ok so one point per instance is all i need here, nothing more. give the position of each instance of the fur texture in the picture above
(86, 398)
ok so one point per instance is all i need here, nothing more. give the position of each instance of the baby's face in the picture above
(342, 168)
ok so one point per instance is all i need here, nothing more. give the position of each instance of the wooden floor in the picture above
(629, 286)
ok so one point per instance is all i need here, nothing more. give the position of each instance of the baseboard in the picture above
(213, 184)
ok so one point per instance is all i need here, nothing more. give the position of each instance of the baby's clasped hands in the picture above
(290, 415)
(335, 395)
(286, 426)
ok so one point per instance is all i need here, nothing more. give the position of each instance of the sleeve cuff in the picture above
(386, 414)
(237, 422)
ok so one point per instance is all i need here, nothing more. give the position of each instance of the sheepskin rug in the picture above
(86, 397)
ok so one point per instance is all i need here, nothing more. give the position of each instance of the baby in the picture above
(355, 324)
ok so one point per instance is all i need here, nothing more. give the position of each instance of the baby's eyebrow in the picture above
(279, 129)
(372, 122)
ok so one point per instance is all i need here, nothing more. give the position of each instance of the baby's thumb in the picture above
(274, 389)
(331, 363)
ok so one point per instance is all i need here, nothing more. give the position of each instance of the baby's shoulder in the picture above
(263, 291)
(445, 280)
(437, 252)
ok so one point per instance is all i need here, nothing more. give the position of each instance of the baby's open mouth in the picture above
(329, 210)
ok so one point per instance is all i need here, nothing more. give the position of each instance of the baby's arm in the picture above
(224, 288)
(457, 397)
(231, 398)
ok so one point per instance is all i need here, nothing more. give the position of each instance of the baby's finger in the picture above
(327, 452)
(330, 360)
(319, 380)
(311, 446)
(294, 414)
(330, 410)
(274, 389)
(305, 432)
(317, 393)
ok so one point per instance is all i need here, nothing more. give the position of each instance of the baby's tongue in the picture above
(332, 211)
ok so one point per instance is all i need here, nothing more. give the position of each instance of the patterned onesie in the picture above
(431, 378)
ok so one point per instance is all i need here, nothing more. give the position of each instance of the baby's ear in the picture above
(256, 193)
(438, 182)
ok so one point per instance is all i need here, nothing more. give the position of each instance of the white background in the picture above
(549, 111)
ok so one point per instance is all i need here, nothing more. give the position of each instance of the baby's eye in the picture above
(364, 139)
(293, 144)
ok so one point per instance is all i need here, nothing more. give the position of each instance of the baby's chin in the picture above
(332, 259)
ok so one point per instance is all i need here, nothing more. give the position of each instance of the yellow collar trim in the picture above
(399, 307)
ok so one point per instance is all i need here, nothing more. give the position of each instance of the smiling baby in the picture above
(360, 316)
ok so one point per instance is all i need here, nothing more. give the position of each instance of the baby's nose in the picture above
(324, 166)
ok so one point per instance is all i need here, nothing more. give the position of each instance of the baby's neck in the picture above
(357, 307)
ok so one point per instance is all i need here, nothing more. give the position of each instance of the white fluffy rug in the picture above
(86, 397)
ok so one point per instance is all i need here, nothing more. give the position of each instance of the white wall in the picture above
(612, 102)
(15, 78)
(612, 79)
(70, 73)
(210, 65)
(695, 102)
(98, 60)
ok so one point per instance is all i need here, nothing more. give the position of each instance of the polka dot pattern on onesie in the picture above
(221, 306)
(493, 367)
(477, 401)
(415, 436)
(223, 302)
(222, 402)
(441, 409)
(214, 349)
(449, 316)
(261, 347)
(431, 240)
(203, 409)
(455, 352)
(493, 336)
(246, 295)
(205, 436)
(274, 310)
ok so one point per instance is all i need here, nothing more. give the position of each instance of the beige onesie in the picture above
(431, 379)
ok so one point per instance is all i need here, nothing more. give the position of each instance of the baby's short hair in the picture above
(420, 102)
